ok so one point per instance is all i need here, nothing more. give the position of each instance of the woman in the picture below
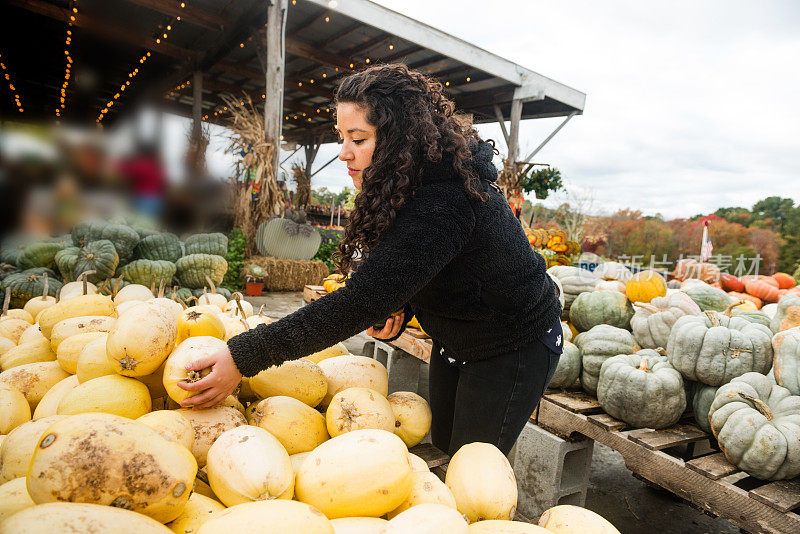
(440, 242)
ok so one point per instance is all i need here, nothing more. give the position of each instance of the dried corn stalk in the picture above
(248, 135)
(303, 182)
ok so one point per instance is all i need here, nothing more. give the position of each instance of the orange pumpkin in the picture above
(333, 282)
(731, 283)
(763, 290)
(785, 281)
(745, 296)
(794, 291)
(769, 280)
(689, 268)
(644, 286)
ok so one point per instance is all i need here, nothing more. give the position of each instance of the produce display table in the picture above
(682, 459)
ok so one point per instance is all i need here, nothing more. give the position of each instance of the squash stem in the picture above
(758, 404)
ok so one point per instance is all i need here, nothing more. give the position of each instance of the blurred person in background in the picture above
(146, 178)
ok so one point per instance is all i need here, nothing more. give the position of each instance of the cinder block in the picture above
(369, 349)
(550, 470)
(403, 371)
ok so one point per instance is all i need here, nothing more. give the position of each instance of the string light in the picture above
(327, 19)
(468, 79)
(164, 34)
(11, 86)
(62, 99)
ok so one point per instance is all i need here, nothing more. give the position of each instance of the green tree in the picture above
(541, 181)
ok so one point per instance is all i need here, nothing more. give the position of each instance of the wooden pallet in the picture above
(682, 459)
(415, 343)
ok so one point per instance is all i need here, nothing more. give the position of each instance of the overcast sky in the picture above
(690, 105)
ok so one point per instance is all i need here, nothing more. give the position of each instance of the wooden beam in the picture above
(255, 74)
(276, 48)
(308, 51)
(366, 47)
(105, 28)
(501, 121)
(188, 13)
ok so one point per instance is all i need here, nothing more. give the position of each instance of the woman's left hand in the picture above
(392, 327)
(218, 384)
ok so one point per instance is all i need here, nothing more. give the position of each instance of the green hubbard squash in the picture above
(569, 367)
(642, 389)
(592, 308)
(41, 254)
(596, 346)
(216, 244)
(786, 345)
(713, 348)
(145, 272)
(164, 247)
(653, 321)
(701, 403)
(98, 256)
(193, 268)
(574, 281)
(708, 297)
(757, 426)
(787, 314)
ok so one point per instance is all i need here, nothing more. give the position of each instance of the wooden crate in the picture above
(312, 293)
(682, 459)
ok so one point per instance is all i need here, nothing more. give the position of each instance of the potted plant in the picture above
(254, 281)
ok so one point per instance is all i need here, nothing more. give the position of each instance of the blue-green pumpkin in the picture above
(592, 308)
(287, 240)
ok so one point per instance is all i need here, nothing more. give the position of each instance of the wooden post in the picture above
(513, 136)
(311, 154)
(513, 146)
(197, 104)
(274, 71)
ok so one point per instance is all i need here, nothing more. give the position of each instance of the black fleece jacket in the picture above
(464, 266)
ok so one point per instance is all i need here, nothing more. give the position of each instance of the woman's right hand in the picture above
(392, 327)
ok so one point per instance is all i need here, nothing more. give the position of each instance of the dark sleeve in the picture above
(426, 235)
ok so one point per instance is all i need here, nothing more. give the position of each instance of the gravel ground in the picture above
(630, 505)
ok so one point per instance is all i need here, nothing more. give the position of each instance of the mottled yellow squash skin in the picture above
(209, 424)
(13, 498)
(80, 517)
(14, 409)
(17, 448)
(300, 379)
(49, 403)
(76, 307)
(360, 473)
(268, 517)
(105, 459)
(198, 510)
(34, 379)
(141, 340)
(110, 394)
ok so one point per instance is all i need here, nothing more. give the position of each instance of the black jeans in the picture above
(489, 400)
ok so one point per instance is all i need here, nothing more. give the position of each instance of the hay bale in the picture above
(289, 275)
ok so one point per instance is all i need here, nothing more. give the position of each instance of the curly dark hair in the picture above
(415, 124)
